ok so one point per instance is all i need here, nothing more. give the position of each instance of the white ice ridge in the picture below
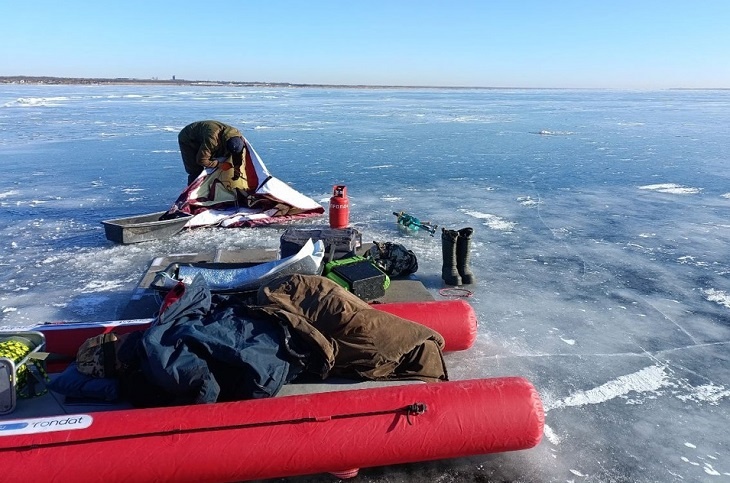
(671, 188)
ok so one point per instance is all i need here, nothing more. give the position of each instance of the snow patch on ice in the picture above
(706, 393)
(690, 260)
(707, 468)
(101, 286)
(649, 379)
(492, 221)
(718, 296)
(547, 132)
(671, 188)
(527, 201)
(8, 194)
(36, 101)
(550, 435)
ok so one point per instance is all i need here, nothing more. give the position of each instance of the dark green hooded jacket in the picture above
(208, 140)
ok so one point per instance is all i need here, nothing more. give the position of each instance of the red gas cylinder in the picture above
(339, 208)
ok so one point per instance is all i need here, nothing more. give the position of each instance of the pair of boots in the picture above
(455, 247)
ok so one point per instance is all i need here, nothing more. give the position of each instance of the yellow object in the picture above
(226, 179)
(16, 351)
(233, 179)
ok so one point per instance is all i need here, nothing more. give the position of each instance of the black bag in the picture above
(394, 259)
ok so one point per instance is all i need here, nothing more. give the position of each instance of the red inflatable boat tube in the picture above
(455, 319)
(329, 432)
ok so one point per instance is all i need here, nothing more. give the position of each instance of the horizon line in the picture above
(174, 81)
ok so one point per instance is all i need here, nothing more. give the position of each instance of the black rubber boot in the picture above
(463, 245)
(449, 272)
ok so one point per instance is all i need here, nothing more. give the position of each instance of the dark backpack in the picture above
(394, 259)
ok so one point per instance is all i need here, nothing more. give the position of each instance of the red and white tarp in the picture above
(248, 197)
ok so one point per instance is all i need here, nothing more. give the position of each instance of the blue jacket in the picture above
(204, 349)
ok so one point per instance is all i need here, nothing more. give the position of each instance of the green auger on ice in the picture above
(414, 223)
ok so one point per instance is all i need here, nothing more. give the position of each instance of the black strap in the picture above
(108, 348)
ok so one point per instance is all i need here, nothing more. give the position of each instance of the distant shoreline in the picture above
(50, 80)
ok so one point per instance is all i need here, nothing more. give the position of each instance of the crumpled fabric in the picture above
(247, 196)
(206, 348)
(350, 338)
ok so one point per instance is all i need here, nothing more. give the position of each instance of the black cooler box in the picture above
(359, 276)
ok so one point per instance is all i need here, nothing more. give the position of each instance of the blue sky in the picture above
(642, 44)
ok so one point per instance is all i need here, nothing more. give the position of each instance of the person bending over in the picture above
(210, 144)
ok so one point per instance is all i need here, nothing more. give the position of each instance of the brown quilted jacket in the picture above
(354, 339)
